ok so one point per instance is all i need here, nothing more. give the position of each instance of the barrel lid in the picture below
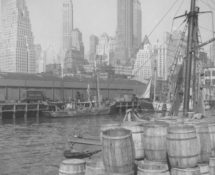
(180, 129)
(109, 125)
(73, 161)
(116, 133)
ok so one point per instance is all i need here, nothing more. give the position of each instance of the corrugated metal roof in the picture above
(49, 77)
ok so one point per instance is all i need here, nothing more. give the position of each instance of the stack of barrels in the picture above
(153, 148)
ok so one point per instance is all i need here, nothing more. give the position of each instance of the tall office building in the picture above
(17, 48)
(94, 40)
(166, 53)
(77, 41)
(105, 49)
(128, 34)
(67, 24)
(137, 25)
(143, 65)
(212, 52)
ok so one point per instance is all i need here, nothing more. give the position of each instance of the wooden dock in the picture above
(24, 108)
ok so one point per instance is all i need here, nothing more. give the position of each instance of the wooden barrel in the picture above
(182, 146)
(211, 128)
(204, 169)
(118, 151)
(187, 171)
(105, 127)
(212, 166)
(72, 167)
(138, 137)
(155, 141)
(95, 168)
(151, 168)
(203, 136)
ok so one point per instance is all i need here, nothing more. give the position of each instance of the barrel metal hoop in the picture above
(169, 132)
(190, 138)
(137, 132)
(116, 138)
(154, 136)
(202, 132)
(183, 157)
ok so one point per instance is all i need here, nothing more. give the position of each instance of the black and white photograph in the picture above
(107, 87)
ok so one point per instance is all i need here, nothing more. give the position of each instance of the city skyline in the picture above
(99, 16)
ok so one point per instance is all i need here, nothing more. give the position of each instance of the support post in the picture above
(14, 112)
(25, 113)
(38, 110)
(1, 114)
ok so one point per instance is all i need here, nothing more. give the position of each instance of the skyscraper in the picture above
(128, 34)
(137, 25)
(105, 49)
(67, 24)
(17, 48)
(166, 52)
(143, 65)
(77, 41)
(93, 44)
(212, 52)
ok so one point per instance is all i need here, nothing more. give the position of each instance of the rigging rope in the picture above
(163, 17)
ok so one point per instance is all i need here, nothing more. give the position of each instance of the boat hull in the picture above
(63, 113)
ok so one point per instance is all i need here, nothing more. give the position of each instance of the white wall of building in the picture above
(143, 65)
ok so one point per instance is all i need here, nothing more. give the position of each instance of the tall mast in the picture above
(97, 84)
(192, 18)
(196, 73)
(155, 79)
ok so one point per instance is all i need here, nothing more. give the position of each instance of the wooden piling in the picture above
(26, 113)
(14, 112)
(1, 115)
(38, 110)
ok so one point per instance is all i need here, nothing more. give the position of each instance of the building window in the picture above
(207, 73)
(213, 73)
(207, 82)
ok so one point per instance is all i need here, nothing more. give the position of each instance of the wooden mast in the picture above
(196, 71)
(97, 84)
(192, 18)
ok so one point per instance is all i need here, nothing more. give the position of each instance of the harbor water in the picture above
(36, 147)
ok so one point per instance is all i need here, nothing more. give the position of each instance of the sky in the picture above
(99, 16)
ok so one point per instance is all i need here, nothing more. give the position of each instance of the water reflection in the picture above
(35, 146)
